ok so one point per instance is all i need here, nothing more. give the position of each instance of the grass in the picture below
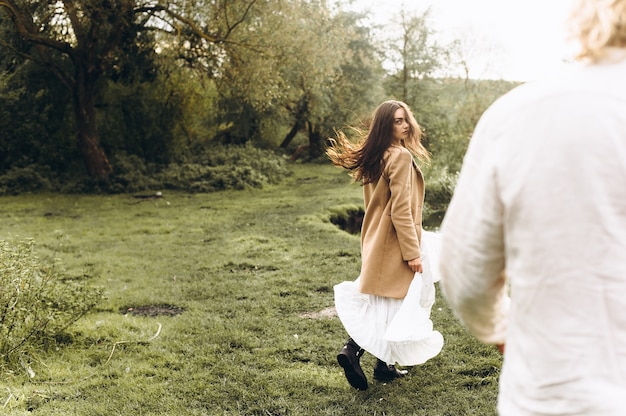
(253, 272)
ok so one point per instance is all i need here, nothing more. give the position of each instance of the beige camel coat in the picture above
(391, 231)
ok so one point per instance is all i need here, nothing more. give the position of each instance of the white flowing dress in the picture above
(397, 331)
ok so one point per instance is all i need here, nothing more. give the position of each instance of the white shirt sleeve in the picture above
(472, 247)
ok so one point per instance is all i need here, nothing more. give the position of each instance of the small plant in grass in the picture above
(37, 303)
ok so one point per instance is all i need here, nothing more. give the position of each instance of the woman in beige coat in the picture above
(393, 189)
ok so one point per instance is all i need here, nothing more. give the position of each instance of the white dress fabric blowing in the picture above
(397, 331)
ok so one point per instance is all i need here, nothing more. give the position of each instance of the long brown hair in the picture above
(364, 159)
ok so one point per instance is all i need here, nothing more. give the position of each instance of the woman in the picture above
(393, 189)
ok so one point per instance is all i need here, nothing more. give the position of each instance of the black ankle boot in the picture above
(387, 372)
(349, 358)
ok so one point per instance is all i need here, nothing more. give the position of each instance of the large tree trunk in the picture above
(94, 157)
(316, 144)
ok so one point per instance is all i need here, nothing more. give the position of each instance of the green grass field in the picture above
(250, 276)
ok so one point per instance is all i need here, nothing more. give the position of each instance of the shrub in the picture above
(439, 189)
(224, 167)
(37, 304)
(212, 168)
(131, 174)
(25, 179)
(267, 164)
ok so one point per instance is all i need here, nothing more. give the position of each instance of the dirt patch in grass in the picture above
(153, 310)
(323, 314)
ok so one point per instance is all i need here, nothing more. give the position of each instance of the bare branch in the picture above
(154, 10)
(241, 19)
(27, 29)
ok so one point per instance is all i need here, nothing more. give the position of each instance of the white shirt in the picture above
(541, 198)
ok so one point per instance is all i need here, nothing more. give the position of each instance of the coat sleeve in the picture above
(400, 172)
(472, 247)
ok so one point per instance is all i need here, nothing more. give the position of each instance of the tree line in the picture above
(84, 84)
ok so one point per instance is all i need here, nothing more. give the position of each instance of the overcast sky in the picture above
(512, 39)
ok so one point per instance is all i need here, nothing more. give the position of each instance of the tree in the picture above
(32, 108)
(417, 63)
(414, 54)
(317, 69)
(82, 42)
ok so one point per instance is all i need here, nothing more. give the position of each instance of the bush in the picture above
(225, 167)
(209, 169)
(440, 186)
(131, 174)
(270, 167)
(37, 304)
(25, 179)
(221, 167)
(198, 178)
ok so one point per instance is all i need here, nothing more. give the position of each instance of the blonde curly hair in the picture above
(598, 26)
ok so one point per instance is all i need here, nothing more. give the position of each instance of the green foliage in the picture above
(209, 169)
(440, 184)
(27, 179)
(291, 74)
(415, 54)
(470, 98)
(138, 120)
(266, 162)
(212, 169)
(200, 178)
(132, 174)
(451, 111)
(34, 123)
(37, 303)
(158, 119)
(319, 71)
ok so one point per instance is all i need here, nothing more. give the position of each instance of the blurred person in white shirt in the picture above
(533, 250)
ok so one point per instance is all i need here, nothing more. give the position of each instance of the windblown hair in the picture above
(364, 159)
(598, 25)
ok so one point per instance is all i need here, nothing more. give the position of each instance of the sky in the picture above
(518, 40)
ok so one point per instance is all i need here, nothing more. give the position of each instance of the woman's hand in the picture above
(416, 265)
